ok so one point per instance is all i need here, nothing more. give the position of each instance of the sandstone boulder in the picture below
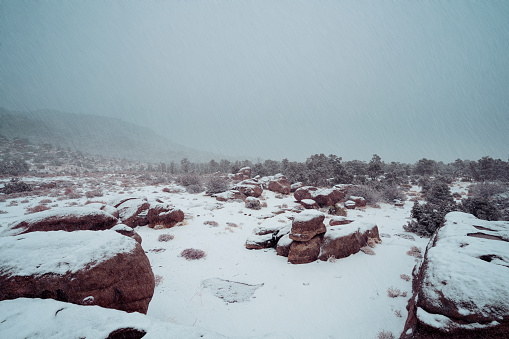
(342, 241)
(322, 196)
(164, 214)
(296, 186)
(243, 174)
(461, 288)
(257, 242)
(304, 252)
(359, 201)
(127, 231)
(229, 196)
(350, 204)
(283, 245)
(82, 267)
(309, 204)
(280, 185)
(307, 224)
(249, 188)
(339, 220)
(66, 219)
(133, 212)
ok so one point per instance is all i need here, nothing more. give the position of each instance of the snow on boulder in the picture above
(339, 220)
(461, 288)
(243, 174)
(229, 195)
(283, 245)
(46, 318)
(280, 184)
(66, 219)
(257, 242)
(309, 204)
(359, 201)
(322, 196)
(249, 188)
(307, 224)
(342, 241)
(296, 186)
(74, 266)
(133, 212)
(164, 214)
(350, 204)
(127, 231)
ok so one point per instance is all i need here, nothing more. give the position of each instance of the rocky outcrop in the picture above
(66, 219)
(243, 174)
(249, 188)
(283, 245)
(83, 267)
(133, 212)
(342, 241)
(322, 196)
(164, 215)
(306, 225)
(280, 184)
(461, 288)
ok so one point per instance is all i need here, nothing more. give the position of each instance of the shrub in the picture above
(385, 335)
(394, 292)
(16, 186)
(481, 208)
(193, 254)
(165, 237)
(337, 210)
(211, 223)
(45, 201)
(405, 277)
(194, 189)
(190, 179)
(37, 208)
(415, 252)
(217, 184)
(158, 279)
(487, 189)
(391, 193)
(368, 192)
(253, 203)
(94, 193)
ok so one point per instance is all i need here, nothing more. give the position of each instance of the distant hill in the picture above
(97, 135)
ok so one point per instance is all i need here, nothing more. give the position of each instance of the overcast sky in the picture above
(269, 78)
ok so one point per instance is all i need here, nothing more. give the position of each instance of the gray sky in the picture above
(272, 79)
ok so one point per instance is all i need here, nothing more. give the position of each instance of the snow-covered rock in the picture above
(322, 196)
(73, 266)
(307, 224)
(133, 212)
(461, 289)
(164, 214)
(280, 184)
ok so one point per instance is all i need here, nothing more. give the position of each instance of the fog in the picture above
(272, 79)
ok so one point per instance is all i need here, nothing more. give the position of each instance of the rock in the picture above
(342, 241)
(280, 184)
(283, 245)
(133, 212)
(164, 214)
(399, 203)
(307, 224)
(461, 288)
(335, 221)
(359, 201)
(309, 204)
(271, 228)
(303, 252)
(73, 266)
(127, 231)
(253, 203)
(323, 196)
(249, 188)
(243, 174)
(257, 242)
(66, 219)
(229, 195)
(350, 204)
(296, 186)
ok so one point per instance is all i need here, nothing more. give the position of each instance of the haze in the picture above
(272, 79)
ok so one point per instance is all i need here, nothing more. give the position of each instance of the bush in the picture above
(487, 189)
(217, 184)
(94, 193)
(481, 208)
(190, 179)
(368, 192)
(165, 237)
(194, 189)
(16, 186)
(337, 210)
(385, 335)
(391, 193)
(428, 217)
(192, 254)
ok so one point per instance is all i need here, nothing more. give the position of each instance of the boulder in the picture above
(304, 192)
(336, 221)
(253, 203)
(66, 219)
(309, 204)
(133, 212)
(283, 245)
(304, 252)
(164, 214)
(350, 204)
(249, 188)
(359, 201)
(243, 174)
(82, 267)
(296, 186)
(280, 185)
(229, 195)
(461, 288)
(257, 242)
(307, 224)
(342, 241)
(127, 231)
(322, 196)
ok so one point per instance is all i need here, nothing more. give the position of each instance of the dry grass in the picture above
(394, 292)
(211, 223)
(415, 252)
(385, 335)
(332, 259)
(405, 277)
(193, 254)
(37, 208)
(158, 279)
(165, 237)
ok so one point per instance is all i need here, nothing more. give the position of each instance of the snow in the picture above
(308, 215)
(230, 291)
(60, 252)
(335, 232)
(442, 322)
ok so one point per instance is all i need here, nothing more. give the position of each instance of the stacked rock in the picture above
(307, 233)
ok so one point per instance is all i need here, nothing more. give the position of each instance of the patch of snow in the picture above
(308, 215)
(230, 291)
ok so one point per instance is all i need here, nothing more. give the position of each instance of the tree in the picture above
(375, 166)
(185, 165)
(425, 167)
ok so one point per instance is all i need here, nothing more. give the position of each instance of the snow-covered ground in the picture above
(345, 298)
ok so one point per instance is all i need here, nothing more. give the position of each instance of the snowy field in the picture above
(241, 293)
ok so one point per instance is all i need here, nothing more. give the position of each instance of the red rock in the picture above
(309, 204)
(280, 185)
(66, 219)
(257, 242)
(335, 221)
(296, 186)
(229, 195)
(127, 231)
(345, 240)
(304, 192)
(323, 196)
(461, 288)
(164, 214)
(359, 201)
(249, 188)
(133, 212)
(303, 252)
(243, 174)
(79, 267)
(283, 245)
(350, 204)
(307, 224)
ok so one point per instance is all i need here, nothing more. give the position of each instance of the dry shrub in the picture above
(24, 201)
(332, 259)
(415, 252)
(211, 223)
(3, 212)
(264, 204)
(193, 254)
(398, 313)
(158, 279)
(94, 193)
(13, 203)
(45, 201)
(394, 292)
(385, 335)
(73, 195)
(232, 224)
(165, 237)
(405, 277)
(38, 208)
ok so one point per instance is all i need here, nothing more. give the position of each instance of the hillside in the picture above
(96, 135)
